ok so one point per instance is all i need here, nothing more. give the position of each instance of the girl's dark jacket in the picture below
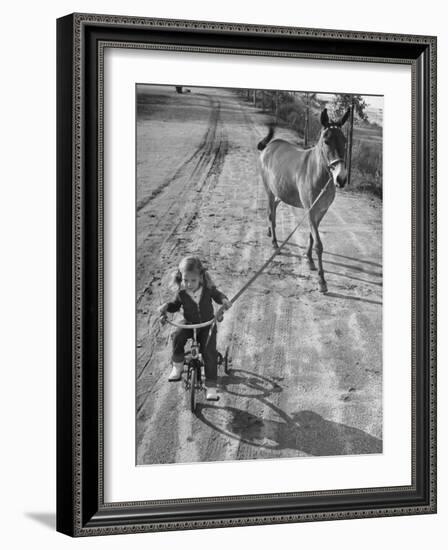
(193, 312)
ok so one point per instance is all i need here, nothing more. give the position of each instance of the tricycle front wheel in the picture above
(193, 390)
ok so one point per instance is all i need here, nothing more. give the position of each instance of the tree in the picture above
(356, 104)
(342, 102)
(309, 98)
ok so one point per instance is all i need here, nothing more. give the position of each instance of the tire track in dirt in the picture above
(211, 155)
(205, 173)
(185, 183)
(209, 160)
(196, 160)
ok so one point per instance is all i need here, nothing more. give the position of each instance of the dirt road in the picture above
(305, 368)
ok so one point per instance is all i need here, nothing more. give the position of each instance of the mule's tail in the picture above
(266, 139)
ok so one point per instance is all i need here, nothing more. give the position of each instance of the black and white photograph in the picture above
(223, 237)
(258, 274)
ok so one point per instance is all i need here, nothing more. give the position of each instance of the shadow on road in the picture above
(327, 271)
(355, 298)
(304, 431)
(356, 268)
(347, 276)
(244, 383)
(326, 252)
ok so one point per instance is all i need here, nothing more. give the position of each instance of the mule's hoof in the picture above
(310, 263)
(323, 287)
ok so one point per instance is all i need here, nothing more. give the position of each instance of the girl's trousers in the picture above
(209, 354)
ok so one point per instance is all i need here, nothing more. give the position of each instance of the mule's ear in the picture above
(324, 118)
(344, 118)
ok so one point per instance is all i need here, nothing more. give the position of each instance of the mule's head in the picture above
(333, 147)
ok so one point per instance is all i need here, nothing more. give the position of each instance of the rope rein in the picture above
(278, 250)
(269, 260)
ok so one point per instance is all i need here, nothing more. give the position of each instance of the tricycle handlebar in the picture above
(218, 316)
(197, 325)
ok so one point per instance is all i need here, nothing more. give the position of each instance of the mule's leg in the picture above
(309, 254)
(273, 222)
(318, 247)
(272, 207)
(270, 199)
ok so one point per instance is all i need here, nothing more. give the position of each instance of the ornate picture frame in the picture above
(81, 43)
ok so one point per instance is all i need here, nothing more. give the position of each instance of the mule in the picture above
(296, 176)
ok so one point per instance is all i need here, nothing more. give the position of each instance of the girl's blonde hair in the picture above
(191, 264)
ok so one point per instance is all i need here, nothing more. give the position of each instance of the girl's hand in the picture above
(162, 319)
(226, 304)
(162, 311)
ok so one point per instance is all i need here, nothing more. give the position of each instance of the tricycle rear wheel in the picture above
(193, 390)
(226, 362)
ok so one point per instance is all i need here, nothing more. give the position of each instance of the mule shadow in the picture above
(355, 268)
(346, 276)
(355, 298)
(369, 262)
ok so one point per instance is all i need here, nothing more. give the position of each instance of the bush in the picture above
(367, 166)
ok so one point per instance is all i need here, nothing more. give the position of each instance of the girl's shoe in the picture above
(176, 372)
(211, 394)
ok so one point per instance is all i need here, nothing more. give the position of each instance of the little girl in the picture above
(195, 292)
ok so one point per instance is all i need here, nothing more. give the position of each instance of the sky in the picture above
(375, 105)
